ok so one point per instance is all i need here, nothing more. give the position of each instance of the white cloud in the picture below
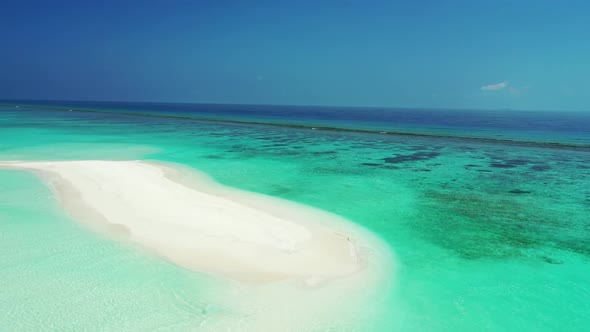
(494, 87)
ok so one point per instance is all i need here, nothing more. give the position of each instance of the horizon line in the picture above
(11, 101)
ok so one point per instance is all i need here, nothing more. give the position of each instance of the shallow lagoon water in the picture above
(488, 236)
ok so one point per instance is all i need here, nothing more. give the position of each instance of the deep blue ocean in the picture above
(541, 127)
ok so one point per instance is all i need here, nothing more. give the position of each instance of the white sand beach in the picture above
(204, 226)
(286, 266)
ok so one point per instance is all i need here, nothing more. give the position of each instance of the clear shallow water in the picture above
(489, 236)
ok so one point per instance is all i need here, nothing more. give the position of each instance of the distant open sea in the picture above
(487, 212)
(569, 128)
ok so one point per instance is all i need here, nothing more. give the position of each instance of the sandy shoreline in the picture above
(283, 266)
(215, 229)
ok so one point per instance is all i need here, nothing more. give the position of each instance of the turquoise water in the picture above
(488, 235)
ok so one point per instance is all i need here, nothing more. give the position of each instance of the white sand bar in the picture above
(201, 225)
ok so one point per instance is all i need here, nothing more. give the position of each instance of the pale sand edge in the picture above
(364, 248)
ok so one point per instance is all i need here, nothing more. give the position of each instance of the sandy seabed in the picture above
(287, 266)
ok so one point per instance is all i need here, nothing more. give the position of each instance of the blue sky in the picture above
(444, 54)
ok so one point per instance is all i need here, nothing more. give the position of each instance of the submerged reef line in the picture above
(545, 144)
